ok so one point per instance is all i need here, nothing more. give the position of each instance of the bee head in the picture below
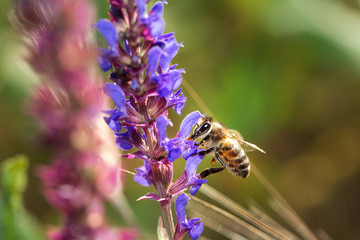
(202, 128)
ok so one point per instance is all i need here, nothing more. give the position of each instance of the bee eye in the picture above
(204, 128)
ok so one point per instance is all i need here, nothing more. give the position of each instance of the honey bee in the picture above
(227, 145)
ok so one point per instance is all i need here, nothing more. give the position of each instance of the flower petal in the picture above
(192, 164)
(123, 143)
(158, 8)
(174, 153)
(142, 176)
(157, 26)
(116, 93)
(179, 107)
(113, 121)
(170, 51)
(189, 121)
(165, 88)
(196, 187)
(162, 123)
(180, 204)
(196, 230)
(107, 29)
(190, 151)
(156, 22)
(177, 100)
(153, 60)
(104, 63)
(141, 5)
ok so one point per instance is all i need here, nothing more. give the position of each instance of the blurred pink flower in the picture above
(83, 172)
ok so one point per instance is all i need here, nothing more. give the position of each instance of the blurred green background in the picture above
(285, 73)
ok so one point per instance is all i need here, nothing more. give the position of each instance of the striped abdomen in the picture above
(235, 158)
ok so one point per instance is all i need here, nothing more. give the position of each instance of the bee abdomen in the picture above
(242, 167)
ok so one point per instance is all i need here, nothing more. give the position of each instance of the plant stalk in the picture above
(168, 220)
(160, 186)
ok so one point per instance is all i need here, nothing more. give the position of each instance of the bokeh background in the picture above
(285, 73)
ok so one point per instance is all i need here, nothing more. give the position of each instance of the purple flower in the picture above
(189, 178)
(168, 82)
(177, 100)
(113, 120)
(153, 20)
(142, 176)
(168, 78)
(107, 29)
(189, 121)
(141, 5)
(118, 96)
(123, 140)
(180, 145)
(194, 182)
(162, 123)
(188, 149)
(156, 23)
(193, 226)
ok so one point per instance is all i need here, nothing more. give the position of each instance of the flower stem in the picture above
(168, 220)
(160, 185)
(166, 204)
(147, 129)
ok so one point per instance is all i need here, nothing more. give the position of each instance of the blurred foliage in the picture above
(285, 73)
(15, 222)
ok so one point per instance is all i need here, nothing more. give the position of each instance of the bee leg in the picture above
(209, 171)
(204, 152)
(205, 138)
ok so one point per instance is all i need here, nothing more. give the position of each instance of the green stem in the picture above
(165, 206)
(168, 220)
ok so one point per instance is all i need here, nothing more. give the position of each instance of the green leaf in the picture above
(15, 222)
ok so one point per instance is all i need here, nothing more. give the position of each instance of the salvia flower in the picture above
(153, 20)
(177, 146)
(193, 226)
(108, 30)
(145, 86)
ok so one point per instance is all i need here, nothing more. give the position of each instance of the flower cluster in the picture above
(145, 86)
(68, 102)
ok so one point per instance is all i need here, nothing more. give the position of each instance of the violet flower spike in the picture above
(145, 86)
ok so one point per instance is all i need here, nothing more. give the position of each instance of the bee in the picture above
(227, 145)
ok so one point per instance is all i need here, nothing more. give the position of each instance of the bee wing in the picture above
(234, 134)
(246, 145)
(250, 146)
